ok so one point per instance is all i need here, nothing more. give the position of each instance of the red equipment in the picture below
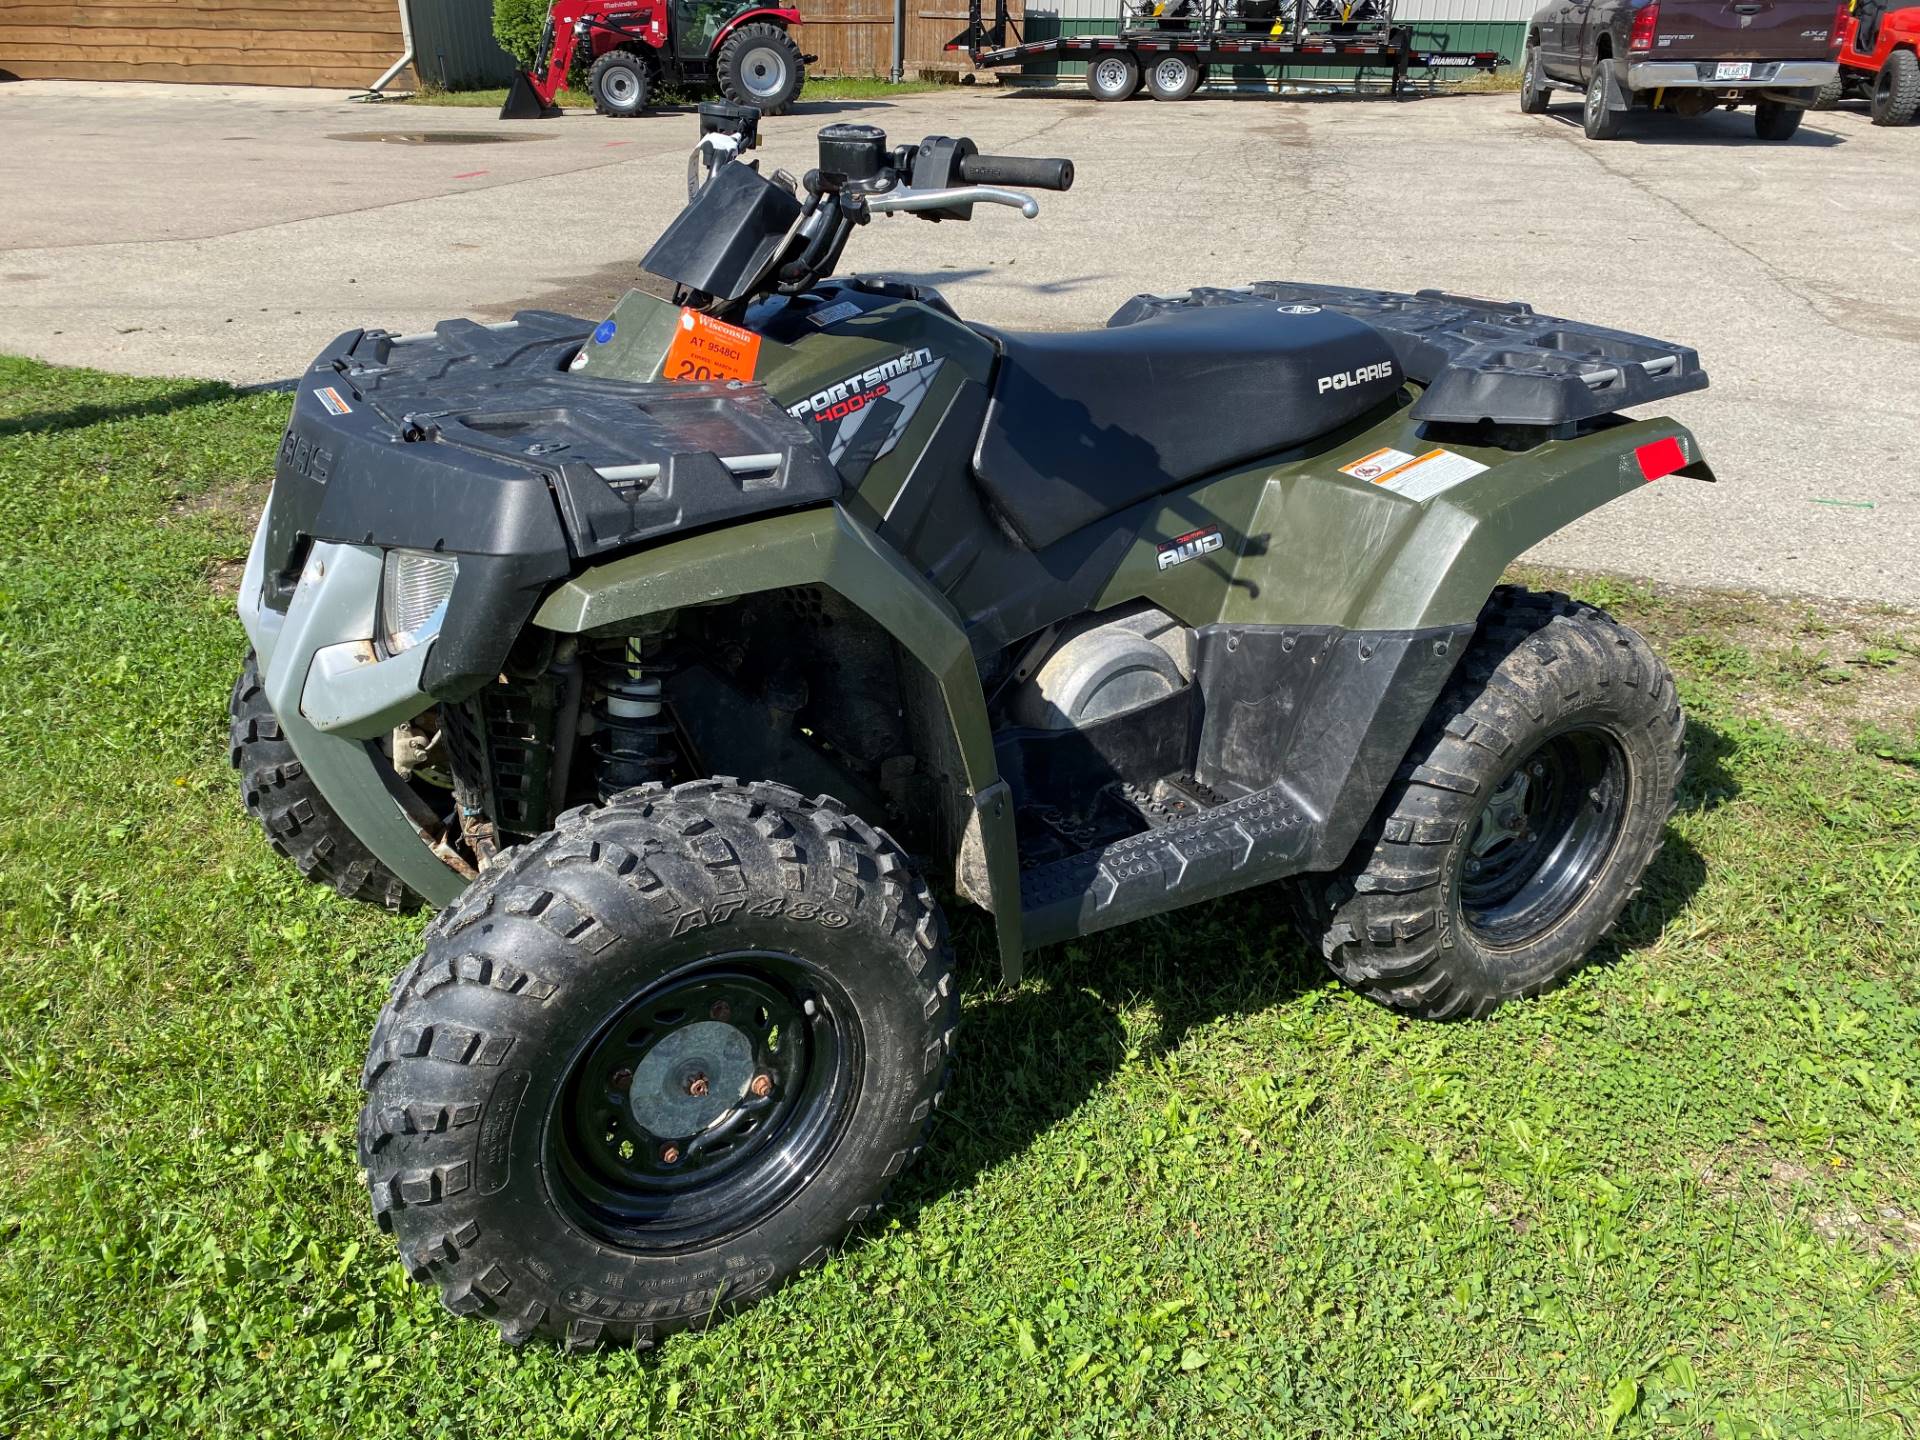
(740, 48)
(1880, 59)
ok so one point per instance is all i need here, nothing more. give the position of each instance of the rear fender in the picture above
(826, 546)
(769, 15)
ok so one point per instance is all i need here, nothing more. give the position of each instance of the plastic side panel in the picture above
(1303, 544)
(816, 547)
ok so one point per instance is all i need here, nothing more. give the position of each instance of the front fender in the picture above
(827, 546)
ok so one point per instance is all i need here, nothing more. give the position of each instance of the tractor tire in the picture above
(1535, 94)
(1173, 77)
(1776, 122)
(620, 82)
(1600, 120)
(1521, 823)
(1896, 90)
(1830, 96)
(1114, 77)
(657, 1062)
(759, 65)
(299, 823)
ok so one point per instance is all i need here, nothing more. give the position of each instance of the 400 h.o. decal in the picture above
(863, 416)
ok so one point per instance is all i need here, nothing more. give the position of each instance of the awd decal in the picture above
(863, 416)
(1189, 546)
(1346, 379)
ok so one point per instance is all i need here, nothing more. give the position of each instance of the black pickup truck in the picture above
(1682, 57)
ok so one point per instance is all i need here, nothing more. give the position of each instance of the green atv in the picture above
(1080, 628)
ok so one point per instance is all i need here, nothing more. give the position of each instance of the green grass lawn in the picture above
(818, 87)
(1186, 1185)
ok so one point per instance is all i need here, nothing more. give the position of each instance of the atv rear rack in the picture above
(1483, 362)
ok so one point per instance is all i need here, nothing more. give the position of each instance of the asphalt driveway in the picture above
(231, 232)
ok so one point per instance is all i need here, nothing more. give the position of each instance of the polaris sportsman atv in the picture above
(1088, 626)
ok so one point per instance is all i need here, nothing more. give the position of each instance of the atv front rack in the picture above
(444, 414)
(1483, 362)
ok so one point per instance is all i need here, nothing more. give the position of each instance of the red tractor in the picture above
(1880, 59)
(741, 49)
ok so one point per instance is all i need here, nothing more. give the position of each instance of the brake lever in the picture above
(909, 199)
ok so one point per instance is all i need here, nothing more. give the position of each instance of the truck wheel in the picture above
(1173, 77)
(1520, 825)
(656, 1062)
(760, 65)
(1597, 118)
(619, 83)
(300, 824)
(1896, 90)
(1114, 77)
(1773, 121)
(1831, 94)
(1535, 93)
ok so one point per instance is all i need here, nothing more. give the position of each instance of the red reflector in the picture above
(1660, 457)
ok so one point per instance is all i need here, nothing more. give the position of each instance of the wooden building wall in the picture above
(344, 43)
(855, 37)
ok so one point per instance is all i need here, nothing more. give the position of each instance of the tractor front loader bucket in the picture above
(524, 102)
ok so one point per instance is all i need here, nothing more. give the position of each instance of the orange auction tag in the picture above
(704, 348)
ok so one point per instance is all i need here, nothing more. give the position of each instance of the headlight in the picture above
(413, 596)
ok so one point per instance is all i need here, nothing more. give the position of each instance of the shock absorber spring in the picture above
(633, 734)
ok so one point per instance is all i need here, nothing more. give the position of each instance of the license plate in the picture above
(1733, 70)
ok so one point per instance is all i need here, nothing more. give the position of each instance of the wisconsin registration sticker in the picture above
(704, 348)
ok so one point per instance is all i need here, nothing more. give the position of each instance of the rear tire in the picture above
(1173, 77)
(1113, 77)
(1521, 822)
(1896, 90)
(1831, 94)
(299, 822)
(655, 1063)
(620, 82)
(1535, 93)
(1773, 121)
(1597, 118)
(759, 65)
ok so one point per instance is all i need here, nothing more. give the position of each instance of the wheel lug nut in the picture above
(721, 1010)
(1473, 867)
(669, 1154)
(620, 1079)
(697, 1086)
(761, 1087)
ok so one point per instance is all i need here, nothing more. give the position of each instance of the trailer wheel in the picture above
(619, 83)
(1776, 122)
(1173, 77)
(1114, 77)
(1896, 90)
(1535, 93)
(759, 65)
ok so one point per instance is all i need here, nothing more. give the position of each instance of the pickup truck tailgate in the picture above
(1742, 30)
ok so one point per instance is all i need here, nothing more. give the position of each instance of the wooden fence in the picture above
(344, 43)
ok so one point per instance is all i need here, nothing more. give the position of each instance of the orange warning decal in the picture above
(704, 348)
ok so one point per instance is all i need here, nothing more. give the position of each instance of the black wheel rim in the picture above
(1542, 836)
(705, 1102)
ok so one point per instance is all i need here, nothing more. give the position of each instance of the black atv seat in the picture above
(1082, 425)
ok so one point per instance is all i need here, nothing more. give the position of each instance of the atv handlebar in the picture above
(1017, 170)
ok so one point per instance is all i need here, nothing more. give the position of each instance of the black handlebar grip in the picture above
(1017, 170)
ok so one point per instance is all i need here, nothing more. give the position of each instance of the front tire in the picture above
(1896, 90)
(1114, 77)
(1535, 93)
(620, 82)
(657, 1062)
(282, 797)
(759, 65)
(1521, 823)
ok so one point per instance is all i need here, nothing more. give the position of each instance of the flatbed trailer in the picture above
(1172, 55)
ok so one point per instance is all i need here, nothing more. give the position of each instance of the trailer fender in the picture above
(827, 546)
